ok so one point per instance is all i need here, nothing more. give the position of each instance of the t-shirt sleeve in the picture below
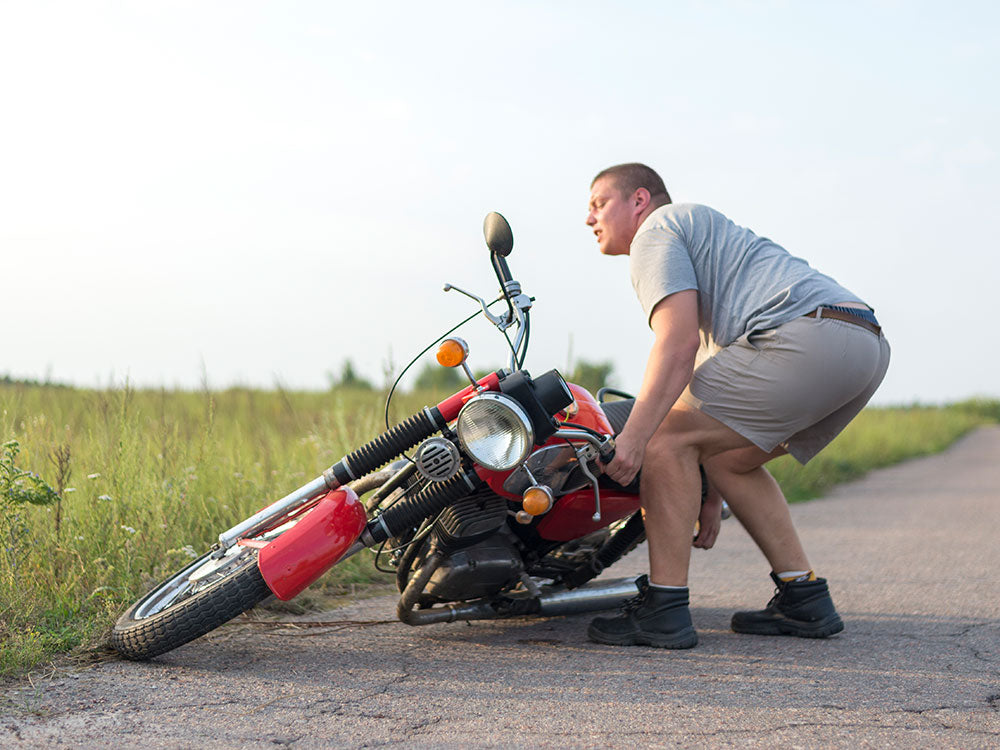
(660, 265)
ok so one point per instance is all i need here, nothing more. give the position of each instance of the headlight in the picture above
(495, 431)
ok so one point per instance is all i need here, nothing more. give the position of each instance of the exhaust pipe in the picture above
(592, 597)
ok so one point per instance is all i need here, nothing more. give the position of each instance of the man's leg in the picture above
(801, 606)
(670, 491)
(759, 504)
(671, 486)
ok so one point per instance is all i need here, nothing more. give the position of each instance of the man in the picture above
(795, 356)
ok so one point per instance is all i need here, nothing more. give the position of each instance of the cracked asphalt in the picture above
(911, 553)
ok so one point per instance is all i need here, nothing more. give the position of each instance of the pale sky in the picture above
(263, 190)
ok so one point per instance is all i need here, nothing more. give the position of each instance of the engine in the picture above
(480, 557)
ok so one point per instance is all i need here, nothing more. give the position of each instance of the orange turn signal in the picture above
(537, 500)
(452, 352)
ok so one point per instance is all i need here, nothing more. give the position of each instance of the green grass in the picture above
(150, 478)
(146, 478)
(881, 437)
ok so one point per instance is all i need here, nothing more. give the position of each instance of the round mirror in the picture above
(499, 238)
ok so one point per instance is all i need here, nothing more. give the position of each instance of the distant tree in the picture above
(349, 378)
(592, 375)
(434, 377)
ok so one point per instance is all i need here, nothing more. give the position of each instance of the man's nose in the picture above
(590, 219)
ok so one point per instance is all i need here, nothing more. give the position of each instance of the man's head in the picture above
(621, 197)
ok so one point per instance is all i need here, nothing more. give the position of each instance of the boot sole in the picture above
(822, 629)
(684, 639)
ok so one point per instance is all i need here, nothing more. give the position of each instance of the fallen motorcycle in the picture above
(500, 511)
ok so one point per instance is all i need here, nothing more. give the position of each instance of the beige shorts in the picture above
(797, 385)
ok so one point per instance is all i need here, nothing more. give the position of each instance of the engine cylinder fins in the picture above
(410, 511)
(471, 519)
(437, 459)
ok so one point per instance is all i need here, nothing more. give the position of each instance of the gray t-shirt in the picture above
(745, 283)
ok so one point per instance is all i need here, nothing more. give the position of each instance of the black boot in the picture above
(802, 608)
(653, 618)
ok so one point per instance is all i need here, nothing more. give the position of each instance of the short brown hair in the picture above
(630, 177)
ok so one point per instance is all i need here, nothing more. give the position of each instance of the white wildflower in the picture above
(129, 529)
(79, 538)
(104, 497)
(93, 476)
(70, 489)
(188, 550)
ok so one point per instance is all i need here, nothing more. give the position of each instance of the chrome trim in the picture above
(553, 465)
(591, 597)
(469, 481)
(588, 598)
(570, 434)
(482, 303)
(430, 418)
(519, 304)
(437, 459)
(347, 467)
(597, 490)
(518, 412)
(385, 528)
(262, 519)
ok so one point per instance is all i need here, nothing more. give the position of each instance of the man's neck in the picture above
(653, 205)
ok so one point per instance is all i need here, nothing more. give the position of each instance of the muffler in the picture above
(592, 597)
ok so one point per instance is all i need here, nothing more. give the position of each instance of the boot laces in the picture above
(779, 593)
(631, 605)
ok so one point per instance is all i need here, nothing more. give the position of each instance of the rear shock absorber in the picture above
(621, 542)
(410, 511)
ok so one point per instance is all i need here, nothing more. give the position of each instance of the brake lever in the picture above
(584, 455)
(494, 319)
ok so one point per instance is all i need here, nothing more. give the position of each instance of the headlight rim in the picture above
(522, 416)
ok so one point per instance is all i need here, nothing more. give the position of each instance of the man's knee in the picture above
(669, 443)
(741, 460)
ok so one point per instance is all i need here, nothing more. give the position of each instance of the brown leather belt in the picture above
(826, 312)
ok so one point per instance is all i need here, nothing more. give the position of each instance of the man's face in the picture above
(611, 217)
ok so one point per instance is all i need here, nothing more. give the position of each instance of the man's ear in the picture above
(641, 199)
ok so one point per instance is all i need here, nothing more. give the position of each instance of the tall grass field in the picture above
(105, 492)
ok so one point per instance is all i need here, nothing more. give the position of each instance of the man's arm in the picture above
(674, 321)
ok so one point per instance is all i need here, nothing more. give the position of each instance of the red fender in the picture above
(311, 547)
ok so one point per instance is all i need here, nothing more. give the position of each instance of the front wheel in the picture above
(207, 593)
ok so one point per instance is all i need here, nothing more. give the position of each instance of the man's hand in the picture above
(627, 461)
(709, 520)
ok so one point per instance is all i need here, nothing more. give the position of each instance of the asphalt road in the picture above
(911, 553)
